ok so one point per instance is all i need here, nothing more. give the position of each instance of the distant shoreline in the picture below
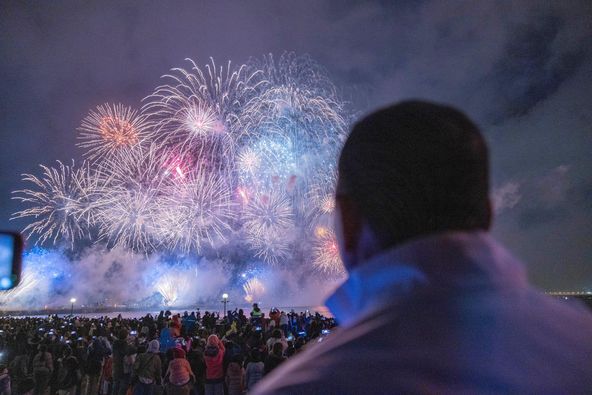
(131, 312)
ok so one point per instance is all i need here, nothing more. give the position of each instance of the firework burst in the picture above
(219, 157)
(268, 214)
(202, 108)
(130, 219)
(60, 205)
(326, 257)
(111, 128)
(254, 290)
(196, 209)
(173, 287)
(299, 93)
(268, 222)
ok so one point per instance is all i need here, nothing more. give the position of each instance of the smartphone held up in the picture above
(11, 252)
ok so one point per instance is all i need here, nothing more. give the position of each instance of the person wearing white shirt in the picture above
(432, 303)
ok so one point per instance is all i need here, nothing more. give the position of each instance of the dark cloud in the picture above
(528, 71)
(521, 69)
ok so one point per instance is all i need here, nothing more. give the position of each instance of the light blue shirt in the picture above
(449, 313)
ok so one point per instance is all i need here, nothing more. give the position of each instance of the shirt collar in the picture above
(452, 259)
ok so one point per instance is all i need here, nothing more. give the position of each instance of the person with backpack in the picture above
(214, 358)
(128, 368)
(167, 340)
(147, 372)
(106, 384)
(179, 374)
(277, 336)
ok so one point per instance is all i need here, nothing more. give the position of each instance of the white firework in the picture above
(110, 128)
(129, 218)
(61, 205)
(131, 185)
(200, 121)
(273, 249)
(173, 287)
(134, 169)
(268, 222)
(202, 108)
(254, 290)
(326, 258)
(196, 210)
(319, 205)
(299, 93)
(268, 214)
(248, 161)
(216, 153)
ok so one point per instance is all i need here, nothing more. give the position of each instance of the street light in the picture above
(73, 300)
(225, 301)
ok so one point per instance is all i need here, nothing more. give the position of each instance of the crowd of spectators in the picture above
(187, 353)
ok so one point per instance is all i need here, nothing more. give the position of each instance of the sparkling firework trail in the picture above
(202, 108)
(268, 214)
(62, 201)
(319, 205)
(130, 219)
(219, 157)
(268, 220)
(173, 287)
(254, 290)
(111, 128)
(326, 257)
(197, 209)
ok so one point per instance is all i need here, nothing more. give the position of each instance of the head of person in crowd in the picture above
(255, 355)
(277, 349)
(213, 340)
(407, 171)
(197, 345)
(42, 348)
(178, 353)
(122, 334)
(153, 347)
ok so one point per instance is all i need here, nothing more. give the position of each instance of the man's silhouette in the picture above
(433, 304)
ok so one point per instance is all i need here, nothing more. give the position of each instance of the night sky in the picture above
(521, 69)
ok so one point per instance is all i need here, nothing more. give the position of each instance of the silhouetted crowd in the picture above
(187, 353)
